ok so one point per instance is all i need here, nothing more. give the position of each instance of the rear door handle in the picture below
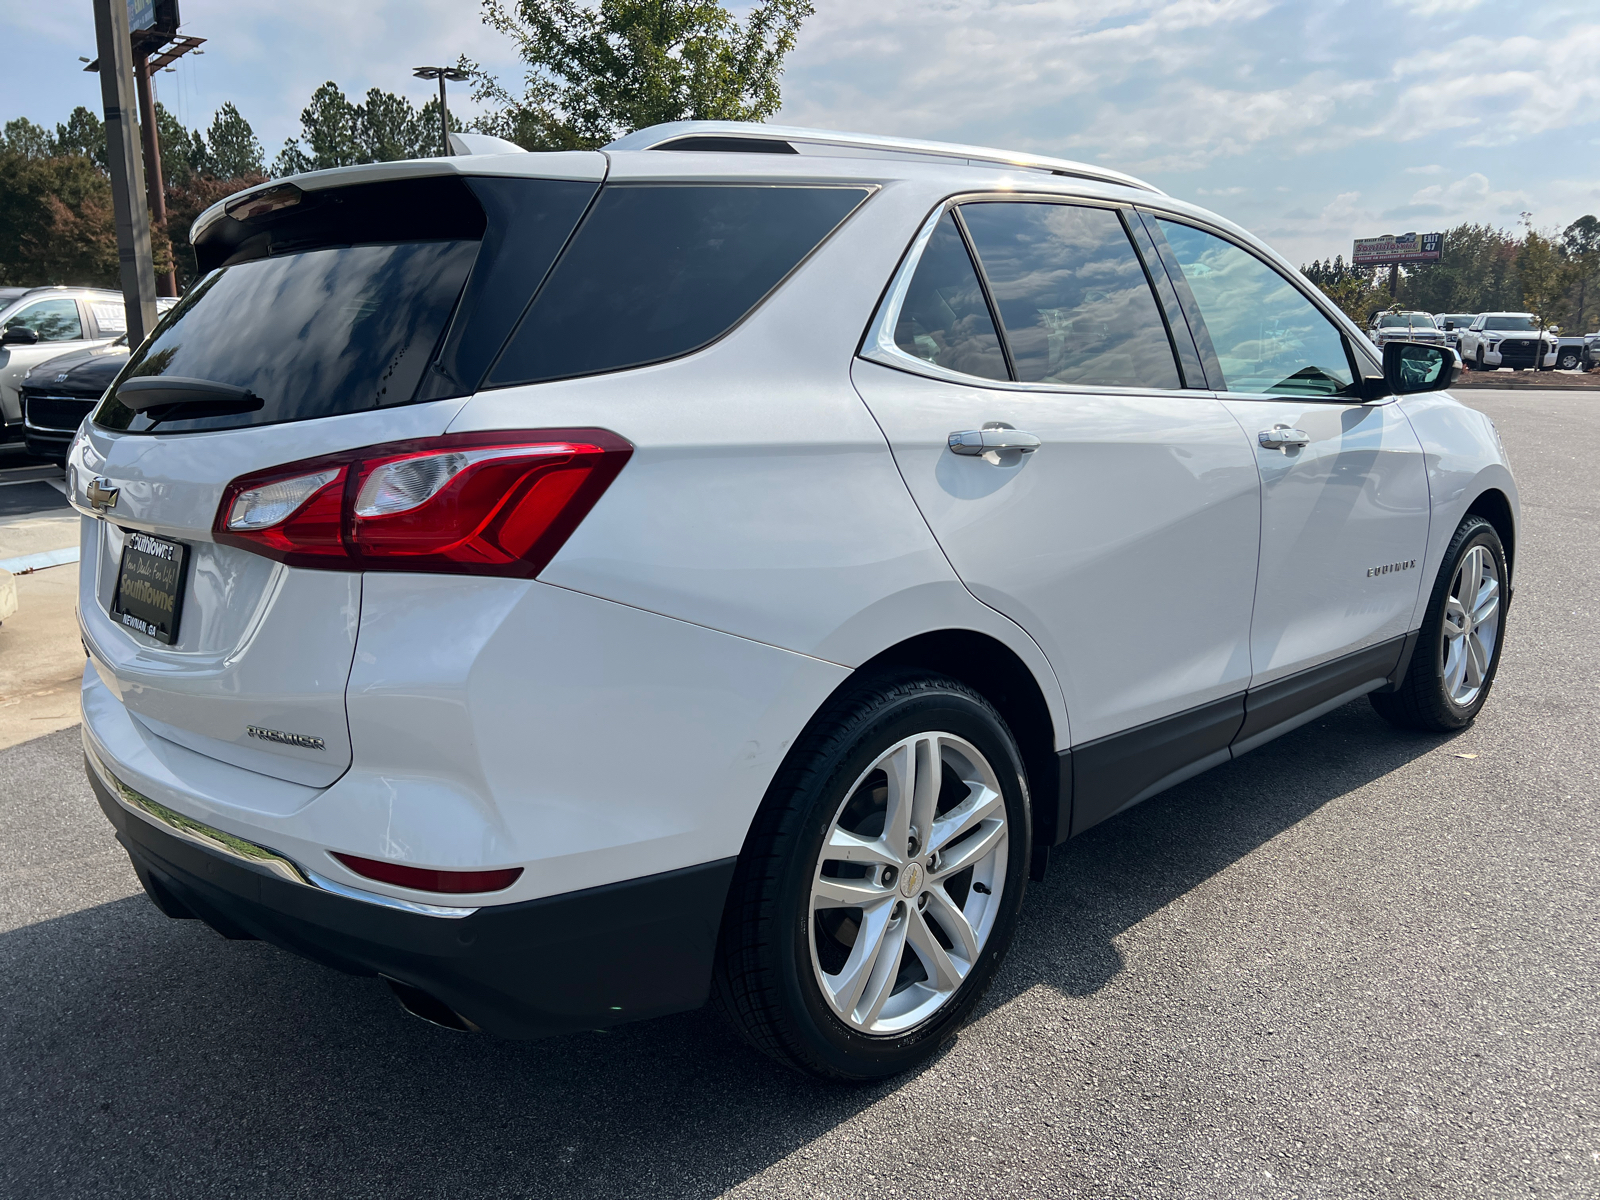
(982, 441)
(1281, 436)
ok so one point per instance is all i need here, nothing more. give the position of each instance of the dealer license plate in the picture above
(149, 594)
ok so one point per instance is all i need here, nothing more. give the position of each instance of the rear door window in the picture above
(1073, 297)
(945, 319)
(659, 270)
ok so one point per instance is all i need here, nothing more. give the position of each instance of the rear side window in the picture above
(657, 271)
(1072, 295)
(1267, 336)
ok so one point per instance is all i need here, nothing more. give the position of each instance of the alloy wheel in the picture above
(1471, 625)
(908, 883)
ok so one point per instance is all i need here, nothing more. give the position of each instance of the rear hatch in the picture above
(329, 316)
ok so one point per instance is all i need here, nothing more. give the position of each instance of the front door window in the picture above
(1265, 335)
(53, 320)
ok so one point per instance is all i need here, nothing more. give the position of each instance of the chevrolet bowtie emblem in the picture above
(101, 495)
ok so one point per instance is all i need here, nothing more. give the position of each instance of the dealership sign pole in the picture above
(126, 164)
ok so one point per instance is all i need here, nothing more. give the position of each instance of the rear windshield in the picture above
(325, 331)
(352, 298)
(656, 271)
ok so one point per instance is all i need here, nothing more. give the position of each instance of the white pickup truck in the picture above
(1507, 339)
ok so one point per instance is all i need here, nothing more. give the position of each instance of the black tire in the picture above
(764, 981)
(1422, 701)
(1482, 366)
(1570, 360)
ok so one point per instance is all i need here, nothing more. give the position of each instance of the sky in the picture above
(1310, 122)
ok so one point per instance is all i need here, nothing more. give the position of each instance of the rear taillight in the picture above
(467, 503)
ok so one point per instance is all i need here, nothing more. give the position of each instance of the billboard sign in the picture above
(1402, 248)
(141, 14)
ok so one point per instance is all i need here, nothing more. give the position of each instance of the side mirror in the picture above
(18, 335)
(1449, 326)
(1418, 367)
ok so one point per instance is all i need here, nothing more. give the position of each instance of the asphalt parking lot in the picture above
(1354, 963)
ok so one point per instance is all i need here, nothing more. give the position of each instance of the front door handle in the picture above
(985, 441)
(1280, 437)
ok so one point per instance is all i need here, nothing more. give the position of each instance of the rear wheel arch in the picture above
(992, 669)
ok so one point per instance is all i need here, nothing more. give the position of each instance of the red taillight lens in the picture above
(476, 503)
(424, 879)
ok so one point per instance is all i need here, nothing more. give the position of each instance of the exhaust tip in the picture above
(429, 1008)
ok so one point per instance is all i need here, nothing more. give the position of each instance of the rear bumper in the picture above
(606, 955)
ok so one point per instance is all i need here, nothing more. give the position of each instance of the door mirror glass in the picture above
(18, 335)
(1415, 367)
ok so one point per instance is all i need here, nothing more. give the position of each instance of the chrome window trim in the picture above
(252, 854)
(879, 346)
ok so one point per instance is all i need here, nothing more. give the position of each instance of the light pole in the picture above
(456, 75)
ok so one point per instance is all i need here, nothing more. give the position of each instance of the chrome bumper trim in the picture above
(411, 906)
(209, 838)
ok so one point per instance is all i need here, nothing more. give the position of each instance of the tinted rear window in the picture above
(327, 331)
(656, 271)
(353, 297)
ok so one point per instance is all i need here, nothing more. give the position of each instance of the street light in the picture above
(455, 74)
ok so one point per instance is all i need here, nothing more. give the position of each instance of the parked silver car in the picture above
(43, 323)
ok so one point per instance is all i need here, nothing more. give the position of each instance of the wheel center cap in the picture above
(911, 880)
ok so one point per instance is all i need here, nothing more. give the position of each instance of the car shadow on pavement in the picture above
(142, 1056)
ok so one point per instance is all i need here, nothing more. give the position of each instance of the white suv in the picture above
(572, 585)
(1508, 339)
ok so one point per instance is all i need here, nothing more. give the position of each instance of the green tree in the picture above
(56, 222)
(1545, 275)
(230, 149)
(1581, 243)
(177, 148)
(337, 133)
(82, 133)
(1477, 273)
(1358, 291)
(597, 72)
(27, 140)
(327, 135)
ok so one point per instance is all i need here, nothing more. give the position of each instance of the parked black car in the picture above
(60, 392)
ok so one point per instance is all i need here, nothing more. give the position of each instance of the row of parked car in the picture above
(1489, 341)
(60, 348)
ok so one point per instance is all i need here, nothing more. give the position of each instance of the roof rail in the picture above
(752, 137)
